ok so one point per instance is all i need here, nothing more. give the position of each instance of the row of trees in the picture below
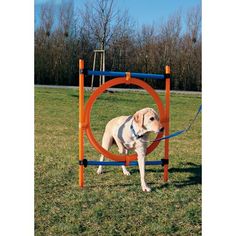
(66, 33)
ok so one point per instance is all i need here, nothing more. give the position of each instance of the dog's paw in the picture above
(146, 189)
(99, 171)
(126, 172)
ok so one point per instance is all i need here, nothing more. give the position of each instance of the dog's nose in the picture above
(161, 129)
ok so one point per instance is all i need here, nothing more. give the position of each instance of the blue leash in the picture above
(180, 131)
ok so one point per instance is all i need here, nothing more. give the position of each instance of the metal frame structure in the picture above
(101, 66)
(84, 118)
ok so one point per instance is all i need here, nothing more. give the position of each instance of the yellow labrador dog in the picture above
(131, 132)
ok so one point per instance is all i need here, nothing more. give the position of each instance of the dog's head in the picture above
(148, 120)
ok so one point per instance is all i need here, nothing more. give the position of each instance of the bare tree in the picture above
(66, 17)
(193, 21)
(146, 43)
(192, 45)
(121, 48)
(169, 38)
(43, 43)
(47, 17)
(170, 35)
(100, 18)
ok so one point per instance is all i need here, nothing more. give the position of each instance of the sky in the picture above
(144, 11)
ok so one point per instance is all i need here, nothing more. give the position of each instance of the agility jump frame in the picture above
(84, 118)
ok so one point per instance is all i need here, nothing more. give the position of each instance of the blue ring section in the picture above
(123, 74)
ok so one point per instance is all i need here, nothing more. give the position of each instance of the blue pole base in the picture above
(86, 163)
(120, 163)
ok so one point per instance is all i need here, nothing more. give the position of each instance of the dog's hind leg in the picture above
(107, 141)
(122, 150)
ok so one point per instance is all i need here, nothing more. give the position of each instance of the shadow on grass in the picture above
(119, 185)
(190, 168)
(157, 170)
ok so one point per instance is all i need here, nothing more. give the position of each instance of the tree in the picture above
(43, 43)
(102, 21)
(169, 39)
(122, 51)
(100, 18)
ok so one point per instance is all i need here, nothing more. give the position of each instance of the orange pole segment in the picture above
(81, 121)
(167, 120)
(128, 76)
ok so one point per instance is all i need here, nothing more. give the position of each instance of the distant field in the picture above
(113, 204)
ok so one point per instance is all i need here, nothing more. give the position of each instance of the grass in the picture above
(113, 204)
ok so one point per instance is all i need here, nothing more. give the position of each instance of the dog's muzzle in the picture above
(160, 130)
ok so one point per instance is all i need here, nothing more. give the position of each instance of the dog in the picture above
(131, 132)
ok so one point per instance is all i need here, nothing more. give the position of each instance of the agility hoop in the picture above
(85, 113)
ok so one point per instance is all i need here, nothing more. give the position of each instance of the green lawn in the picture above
(113, 204)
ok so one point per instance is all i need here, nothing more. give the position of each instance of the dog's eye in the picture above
(152, 119)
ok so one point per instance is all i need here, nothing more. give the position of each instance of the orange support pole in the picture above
(81, 122)
(167, 119)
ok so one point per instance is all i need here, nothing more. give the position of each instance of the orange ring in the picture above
(100, 90)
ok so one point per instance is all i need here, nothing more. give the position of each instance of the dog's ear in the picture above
(138, 118)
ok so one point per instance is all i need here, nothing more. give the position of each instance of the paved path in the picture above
(118, 89)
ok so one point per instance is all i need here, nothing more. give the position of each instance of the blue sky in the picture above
(147, 11)
(152, 11)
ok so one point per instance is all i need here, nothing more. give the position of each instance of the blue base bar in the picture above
(123, 74)
(119, 163)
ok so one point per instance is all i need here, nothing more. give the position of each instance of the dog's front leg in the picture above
(141, 164)
(125, 171)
